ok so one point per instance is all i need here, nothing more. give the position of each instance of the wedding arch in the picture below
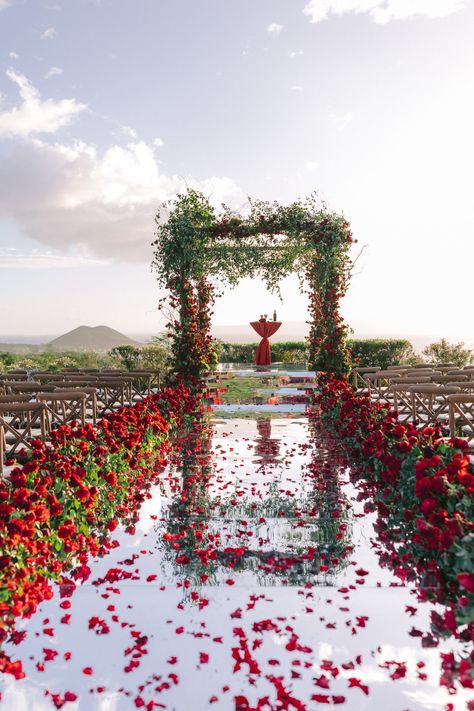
(198, 248)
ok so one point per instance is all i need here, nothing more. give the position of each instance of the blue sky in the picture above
(109, 107)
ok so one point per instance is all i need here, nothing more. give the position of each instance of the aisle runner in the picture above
(268, 595)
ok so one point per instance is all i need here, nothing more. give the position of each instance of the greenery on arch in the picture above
(197, 247)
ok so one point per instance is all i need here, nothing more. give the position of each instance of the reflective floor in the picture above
(252, 582)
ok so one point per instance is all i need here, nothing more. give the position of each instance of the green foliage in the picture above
(445, 352)
(52, 361)
(283, 352)
(6, 359)
(243, 390)
(381, 352)
(126, 356)
(155, 355)
(365, 352)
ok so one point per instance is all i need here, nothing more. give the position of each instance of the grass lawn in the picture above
(241, 390)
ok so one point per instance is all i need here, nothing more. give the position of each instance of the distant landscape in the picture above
(83, 338)
(103, 338)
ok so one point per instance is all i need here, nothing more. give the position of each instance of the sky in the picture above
(108, 108)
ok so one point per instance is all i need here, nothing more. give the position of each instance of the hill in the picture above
(91, 338)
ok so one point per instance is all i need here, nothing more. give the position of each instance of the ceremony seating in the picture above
(63, 407)
(461, 415)
(52, 398)
(429, 403)
(91, 397)
(425, 394)
(17, 376)
(379, 384)
(402, 399)
(18, 421)
(359, 377)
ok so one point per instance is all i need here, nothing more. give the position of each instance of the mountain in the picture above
(91, 338)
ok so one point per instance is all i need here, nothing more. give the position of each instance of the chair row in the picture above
(31, 409)
(425, 396)
(144, 380)
(432, 404)
(136, 384)
(23, 419)
(442, 373)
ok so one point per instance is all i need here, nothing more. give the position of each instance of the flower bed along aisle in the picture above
(62, 504)
(422, 487)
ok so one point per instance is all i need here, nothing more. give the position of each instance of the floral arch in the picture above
(197, 247)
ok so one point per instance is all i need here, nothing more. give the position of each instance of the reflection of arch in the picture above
(292, 539)
(266, 448)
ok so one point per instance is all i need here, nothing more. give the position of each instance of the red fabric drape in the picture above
(265, 329)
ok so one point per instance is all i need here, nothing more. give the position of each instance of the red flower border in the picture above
(422, 487)
(61, 506)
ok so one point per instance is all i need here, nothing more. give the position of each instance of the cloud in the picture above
(49, 33)
(383, 11)
(274, 28)
(297, 88)
(297, 53)
(34, 116)
(53, 72)
(4, 4)
(12, 258)
(343, 121)
(13, 55)
(102, 203)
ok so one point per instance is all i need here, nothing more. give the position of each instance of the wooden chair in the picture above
(359, 377)
(414, 380)
(448, 379)
(127, 380)
(142, 383)
(16, 377)
(379, 384)
(12, 397)
(155, 377)
(463, 385)
(24, 387)
(63, 407)
(48, 377)
(110, 394)
(430, 403)
(461, 415)
(402, 400)
(17, 422)
(90, 401)
(459, 371)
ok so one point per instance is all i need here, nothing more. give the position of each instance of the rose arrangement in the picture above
(196, 248)
(61, 505)
(422, 487)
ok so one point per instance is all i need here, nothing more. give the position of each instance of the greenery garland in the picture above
(196, 244)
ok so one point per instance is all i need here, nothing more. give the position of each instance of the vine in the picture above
(196, 247)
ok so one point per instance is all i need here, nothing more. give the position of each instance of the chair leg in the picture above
(2, 446)
(452, 420)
